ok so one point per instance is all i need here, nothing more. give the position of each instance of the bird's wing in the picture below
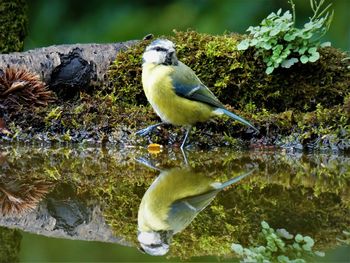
(195, 203)
(183, 211)
(187, 85)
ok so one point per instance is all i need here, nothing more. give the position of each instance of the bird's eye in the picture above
(158, 49)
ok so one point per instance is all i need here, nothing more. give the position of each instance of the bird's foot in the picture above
(146, 162)
(147, 130)
(144, 131)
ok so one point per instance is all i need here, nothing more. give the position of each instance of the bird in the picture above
(172, 201)
(175, 92)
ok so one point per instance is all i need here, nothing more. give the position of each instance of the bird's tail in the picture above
(235, 117)
(237, 178)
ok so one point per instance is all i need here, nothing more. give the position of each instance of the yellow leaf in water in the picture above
(154, 148)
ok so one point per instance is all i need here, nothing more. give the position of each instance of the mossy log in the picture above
(304, 107)
(67, 69)
(43, 222)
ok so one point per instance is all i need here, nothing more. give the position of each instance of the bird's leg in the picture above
(184, 156)
(188, 129)
(148, 129)
(147, 163)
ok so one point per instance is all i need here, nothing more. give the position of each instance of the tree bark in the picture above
(67, 69)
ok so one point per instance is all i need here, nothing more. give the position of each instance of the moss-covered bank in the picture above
(13, 25)
(10, 245)
(306, 106)
(238, 78)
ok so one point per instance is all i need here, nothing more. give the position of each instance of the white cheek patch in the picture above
(153, 56)
(149, 238)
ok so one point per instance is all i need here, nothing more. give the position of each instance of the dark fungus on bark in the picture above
(74, 74)
(67, 69)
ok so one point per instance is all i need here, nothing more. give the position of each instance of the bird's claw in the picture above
(143, 132)
(148, 129)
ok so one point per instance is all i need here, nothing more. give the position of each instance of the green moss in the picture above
(13, 25)
(10, 240)
(306, 105)
(238, 78)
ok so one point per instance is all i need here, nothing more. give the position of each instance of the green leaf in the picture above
(270, 16)
(266, 46)
(304, 59)
(309, 241)
(314, 57)
(269, 70)
(283, 232)
(283, 259)
(253, 42)
(274, 32)
(287, 15)
(251, 29)
(306, 247)
(287, 64)
(347, 233)
(312, 50)
(289, 37)
(243, 45)
(280, 243)
(279, 47)
(326, 44)
(296, 246)
(279, 60)
(320, 253)
(237, 248)
(265, 225)
(302, 50)
(260, 249)
(309, 25)
(299, 238)
(307, 35)
(276, 38)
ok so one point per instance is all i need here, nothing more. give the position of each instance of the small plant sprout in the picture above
(280, 43)
(278, 246)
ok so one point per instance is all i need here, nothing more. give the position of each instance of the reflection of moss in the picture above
(317, 207)
(304, 194)
(236, 215)
(10, 240)
(13, 23)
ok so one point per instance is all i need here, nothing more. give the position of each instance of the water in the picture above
(82, 204)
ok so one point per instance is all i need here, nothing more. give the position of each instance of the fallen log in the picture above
(66, 69)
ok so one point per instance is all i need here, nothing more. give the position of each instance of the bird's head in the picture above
(160, 52)
(155, 243)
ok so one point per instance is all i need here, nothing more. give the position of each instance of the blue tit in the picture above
(175, 92)
(171, 203)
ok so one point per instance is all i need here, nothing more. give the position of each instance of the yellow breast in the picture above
(171, 108)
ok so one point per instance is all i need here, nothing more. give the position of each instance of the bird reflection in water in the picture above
(173, 200)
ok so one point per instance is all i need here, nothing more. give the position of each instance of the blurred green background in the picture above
(95, 21)
(36, 248)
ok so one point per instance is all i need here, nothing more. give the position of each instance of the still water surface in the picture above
(98, 204)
